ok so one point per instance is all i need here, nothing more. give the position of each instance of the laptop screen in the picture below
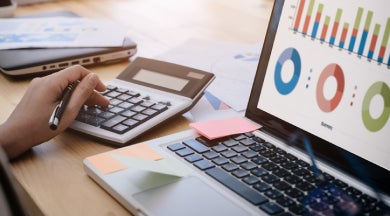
(325, 72)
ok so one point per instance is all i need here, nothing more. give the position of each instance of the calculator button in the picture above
(112, 122)
(111, 87)
(115, 101)
(106, 115)
(140, 117)
(113, 94)
(116, 110)
(135, 100)
(122, 90)
(149, 112)
(159, 107)
(134, 93)
(138, 108)
(128, 113)
(124, 97)
(148, 103)
(120, 128)
(131, 122)
(125, 105)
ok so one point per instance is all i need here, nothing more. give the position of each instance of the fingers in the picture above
(75, 73)
(84, 92)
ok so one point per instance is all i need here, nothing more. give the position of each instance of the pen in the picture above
(58, 111)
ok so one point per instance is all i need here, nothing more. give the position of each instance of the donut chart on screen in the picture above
(376, 124)
(329, 105)
(289, 54)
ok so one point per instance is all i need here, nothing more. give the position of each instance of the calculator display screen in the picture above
(162, 80)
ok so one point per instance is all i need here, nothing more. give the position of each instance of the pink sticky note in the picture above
(221, 128)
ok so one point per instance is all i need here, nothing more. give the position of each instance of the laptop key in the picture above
(271, 208)
(237, 186)
(176, 146)
(204, 164)
(196, 146)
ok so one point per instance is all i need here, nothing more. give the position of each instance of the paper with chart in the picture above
(59, 32)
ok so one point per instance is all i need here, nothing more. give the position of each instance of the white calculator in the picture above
(147, 93)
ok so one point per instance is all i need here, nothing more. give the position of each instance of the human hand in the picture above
(28, 125)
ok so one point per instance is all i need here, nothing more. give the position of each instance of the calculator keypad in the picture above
(127, 110)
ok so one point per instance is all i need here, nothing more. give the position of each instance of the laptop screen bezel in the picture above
(376, 176)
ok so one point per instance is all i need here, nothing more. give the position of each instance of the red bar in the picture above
(306, 26)
(344, 34)
(382, 52)
(354, 32)
(299, 15)
(323, 33)
(318, 17)
(334, 30)
(373, 42)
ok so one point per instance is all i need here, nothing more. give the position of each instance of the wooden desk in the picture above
(52, 173)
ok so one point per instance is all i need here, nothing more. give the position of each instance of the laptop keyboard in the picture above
(127, 110)
(272, 179)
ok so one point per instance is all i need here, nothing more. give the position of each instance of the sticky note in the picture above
(164, 166)
(105, 163)
(225, 127)
(142, 150)
(140, 156)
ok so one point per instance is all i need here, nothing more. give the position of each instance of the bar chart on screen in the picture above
(356, 30)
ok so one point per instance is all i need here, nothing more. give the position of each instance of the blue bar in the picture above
(362, 43)
(388, 61)
(341, 45)
(295, 29)
(370, 54)
(315, 28)
(352, 44)
(332, 40)
(380, 60)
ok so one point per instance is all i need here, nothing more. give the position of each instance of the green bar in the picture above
(346, 26)
(320, 8)
(368, 21)
(338, 15)
(310, 9)
(327, 20)
(358, 18)
(387, 33)
(376, 29)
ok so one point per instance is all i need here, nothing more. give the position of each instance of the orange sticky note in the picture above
(139, 151)
(105, 163)
(221, 128)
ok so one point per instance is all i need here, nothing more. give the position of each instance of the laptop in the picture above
(322, 148)
(39, 61)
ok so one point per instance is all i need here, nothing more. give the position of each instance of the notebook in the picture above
(39, 61)
(321, 99)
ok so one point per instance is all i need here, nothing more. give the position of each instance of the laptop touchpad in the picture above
(189, 196)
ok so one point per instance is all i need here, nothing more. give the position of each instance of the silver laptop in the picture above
(321, 98)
